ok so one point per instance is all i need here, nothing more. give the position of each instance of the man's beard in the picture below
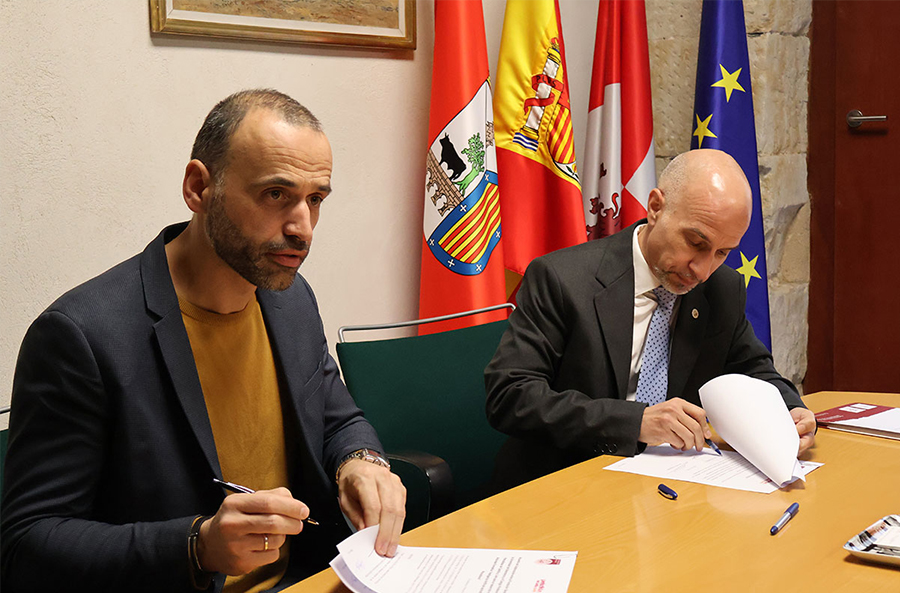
(245, 258)
(665, 279)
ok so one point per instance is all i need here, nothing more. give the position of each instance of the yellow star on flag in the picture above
(729, 82)
(703, 130)
(748, 269)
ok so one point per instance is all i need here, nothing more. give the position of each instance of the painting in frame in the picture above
(385, 24)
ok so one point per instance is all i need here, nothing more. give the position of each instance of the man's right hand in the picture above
(676, 422)
(233, 542)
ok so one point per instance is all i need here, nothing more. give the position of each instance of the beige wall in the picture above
(97, 119)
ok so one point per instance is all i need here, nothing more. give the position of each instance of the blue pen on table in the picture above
(667, 492)
(787, 516)
(232, 487)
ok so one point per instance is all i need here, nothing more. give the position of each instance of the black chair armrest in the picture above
(429, 485)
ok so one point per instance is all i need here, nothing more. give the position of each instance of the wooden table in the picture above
(629, 538)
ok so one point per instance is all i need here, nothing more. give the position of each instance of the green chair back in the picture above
(426, 393)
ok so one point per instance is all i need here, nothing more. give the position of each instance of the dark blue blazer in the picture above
(111, 454)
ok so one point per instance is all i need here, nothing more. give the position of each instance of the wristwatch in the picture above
(364, 454)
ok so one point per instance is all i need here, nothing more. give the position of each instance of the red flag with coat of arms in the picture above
(619, 166)
(541, 198)
(462, 259)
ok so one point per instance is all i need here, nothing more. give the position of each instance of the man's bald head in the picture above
(695, 217)
(707, 173)
(211, 146)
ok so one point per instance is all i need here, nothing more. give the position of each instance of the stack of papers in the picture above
(449, 570)
(730, 470)
(751, 416)
(881, 421)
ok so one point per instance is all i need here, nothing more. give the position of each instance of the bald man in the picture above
(564, 383)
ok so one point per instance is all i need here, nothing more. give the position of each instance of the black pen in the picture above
(232, 487)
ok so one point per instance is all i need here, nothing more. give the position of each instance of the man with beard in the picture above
(566, 380)
(203, 357)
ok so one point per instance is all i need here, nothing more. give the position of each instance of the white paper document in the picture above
(730, 470)
(888, 420)
(449, 570)
(751, 416)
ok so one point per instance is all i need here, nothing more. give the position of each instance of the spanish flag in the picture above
(462, 259)
(541, 198)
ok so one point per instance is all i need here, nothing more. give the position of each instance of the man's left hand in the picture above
(805, 421)
(372, 495)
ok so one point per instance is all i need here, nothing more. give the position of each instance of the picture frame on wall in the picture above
(382, 24)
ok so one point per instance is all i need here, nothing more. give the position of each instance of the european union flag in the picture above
(723, 119)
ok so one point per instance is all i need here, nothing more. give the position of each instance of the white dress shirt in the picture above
(644, 306)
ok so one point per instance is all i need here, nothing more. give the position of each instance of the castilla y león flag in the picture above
(462, 260)
(619, 166)
(541, 198)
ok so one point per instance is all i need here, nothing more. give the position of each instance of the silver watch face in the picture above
(373, 457)
(365, 455)
(370, 456)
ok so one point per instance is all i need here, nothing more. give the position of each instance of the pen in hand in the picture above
(232, 487)
(713, 446)
(787, 516)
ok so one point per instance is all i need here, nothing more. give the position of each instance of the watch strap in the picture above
(369, 455)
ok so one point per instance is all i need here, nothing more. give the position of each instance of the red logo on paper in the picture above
(539, 586)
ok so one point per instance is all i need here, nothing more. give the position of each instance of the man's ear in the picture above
(656, 201)
(197, 187)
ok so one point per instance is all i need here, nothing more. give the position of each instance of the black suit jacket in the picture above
(559, 378)
(111, 454)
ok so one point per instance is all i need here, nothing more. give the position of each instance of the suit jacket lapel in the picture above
(690, 326)
(616, 277)
(162, 302)
(293, 354)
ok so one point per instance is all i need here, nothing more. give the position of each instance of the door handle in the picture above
(855, 118)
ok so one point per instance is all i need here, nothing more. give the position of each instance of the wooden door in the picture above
(854, 337)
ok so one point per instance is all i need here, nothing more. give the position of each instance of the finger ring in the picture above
(265, 543)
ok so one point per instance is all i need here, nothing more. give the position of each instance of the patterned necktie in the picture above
(653, 380)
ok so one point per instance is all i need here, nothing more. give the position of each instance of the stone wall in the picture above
(778, 44)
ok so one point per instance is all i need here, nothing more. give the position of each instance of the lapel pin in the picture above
(695, 314)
